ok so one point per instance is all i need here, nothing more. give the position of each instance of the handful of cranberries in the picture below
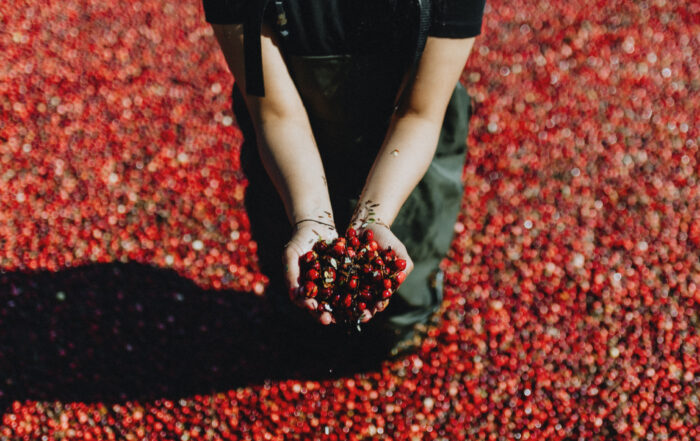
(350, 275)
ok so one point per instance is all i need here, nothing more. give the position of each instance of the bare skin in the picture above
(292, 160)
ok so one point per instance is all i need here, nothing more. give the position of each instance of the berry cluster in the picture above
(350, 275)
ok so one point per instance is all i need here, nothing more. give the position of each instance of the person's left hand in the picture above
(386, 239)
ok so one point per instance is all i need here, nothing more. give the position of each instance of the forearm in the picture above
(285, 140)
(401, 163)
(412, 138)
(292, 161)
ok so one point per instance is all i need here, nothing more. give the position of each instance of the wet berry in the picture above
(312, 274)
(310, 289)
(347, 300)
(400, 277)
(339, 246)
(310, 256)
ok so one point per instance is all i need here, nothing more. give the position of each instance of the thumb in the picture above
(291, 265)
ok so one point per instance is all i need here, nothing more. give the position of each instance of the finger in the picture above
(366, 316)
(291, 265)
(403, 254)
(325, 318)
(311, 304)
(381, 306)
(295, 294)
(409, 265)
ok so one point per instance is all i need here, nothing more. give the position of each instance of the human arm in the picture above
(286, 145)
(411, 140)
(285, 140)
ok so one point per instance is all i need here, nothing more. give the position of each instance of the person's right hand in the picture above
(305, 235)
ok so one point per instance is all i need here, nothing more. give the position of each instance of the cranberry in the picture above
(339, 246)
(312, 274)
(310, 289)
(400, 277)
(310, 256)
(571, 287)
(400, 264)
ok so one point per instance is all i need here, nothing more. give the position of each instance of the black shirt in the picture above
(323, 27)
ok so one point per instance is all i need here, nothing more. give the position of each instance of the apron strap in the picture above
(252, 29)
(423, 28)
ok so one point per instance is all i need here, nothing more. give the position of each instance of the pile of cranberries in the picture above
(350, 275)
(572, 286)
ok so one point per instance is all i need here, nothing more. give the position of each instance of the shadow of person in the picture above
(116, 332)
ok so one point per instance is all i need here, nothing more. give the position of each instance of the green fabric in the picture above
(349, 106)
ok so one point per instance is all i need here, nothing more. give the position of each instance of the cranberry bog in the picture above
(132, 307)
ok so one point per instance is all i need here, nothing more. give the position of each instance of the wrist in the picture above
(329, 224)
(316, 209)
(319, 216)
(368, 213)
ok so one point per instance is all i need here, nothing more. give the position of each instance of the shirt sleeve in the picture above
(224, 11)
(456, 18)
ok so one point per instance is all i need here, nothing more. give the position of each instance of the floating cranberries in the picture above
(571, 289)
(354, 275)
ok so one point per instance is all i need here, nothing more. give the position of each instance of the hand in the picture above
(385, 238)
(305, 235)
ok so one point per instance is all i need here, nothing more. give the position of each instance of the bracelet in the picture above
(367, 223)
(314, 220)
(366, 215)
(380, 223)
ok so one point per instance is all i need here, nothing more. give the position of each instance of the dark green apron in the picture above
(349, 101)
